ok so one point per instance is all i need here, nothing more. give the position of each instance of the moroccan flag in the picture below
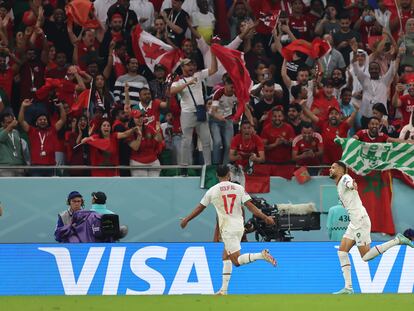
(82, 102)
(257, 183)
(315, 49)
(363, 157)
(270, 20)
(151, 51)
(80, 12)
(119, 67)
(100, 143)
(375, 191)
(50, 84)
(254, 183)
(233, 62)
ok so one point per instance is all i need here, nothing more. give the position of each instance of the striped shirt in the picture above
(136, 83)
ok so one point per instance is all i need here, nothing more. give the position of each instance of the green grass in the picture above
(365, 302)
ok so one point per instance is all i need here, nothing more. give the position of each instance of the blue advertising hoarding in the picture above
(193, 268)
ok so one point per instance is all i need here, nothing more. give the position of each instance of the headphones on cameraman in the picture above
(82, 203)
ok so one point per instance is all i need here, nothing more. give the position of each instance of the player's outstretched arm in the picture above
(258, 213)
(197, 211)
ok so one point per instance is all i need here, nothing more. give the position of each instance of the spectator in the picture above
(128, 12)
(42, 138)
(86, 45)
(373, 135)
(362, 61)
(102, 8)
(221, 123)
(120, 125)
(114, 33)
(380, 112)
(307, 148)
(190, 89)
(144, 10)
(256, 55)
(160, 31)
(375, 86)
(238, 12)
(406, 43)
(56, 31)
(32, 73)
(277, 138)
(176, 20)
(204, 20)
(302, 79)
(101, 96)
(159, 85)
(135, 82)
(299, 22)
(405, 102)
(398, 23)
(344, 37)
(107, 153)
(189, 52)
(267, 102)
(150, 108)
(11, 147)
(246, 148)
(145, 148)
(80, 154)
(331, 60)
(172, 138)
(324, 100)
(7, 71)
(294, 117)
(61, 68)
(329, 23)
(330, 128)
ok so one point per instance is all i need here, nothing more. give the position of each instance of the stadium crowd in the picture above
(362, 87)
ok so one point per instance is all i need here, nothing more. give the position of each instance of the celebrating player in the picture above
(359, 229)
(228, 198)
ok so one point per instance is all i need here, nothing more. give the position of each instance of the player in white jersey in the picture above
(359, 228)
(228, 198)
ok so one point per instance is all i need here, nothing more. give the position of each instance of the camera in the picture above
(284, 219)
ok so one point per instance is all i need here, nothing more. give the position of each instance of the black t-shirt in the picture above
(124, 149)
(340, 37)
(179, 19)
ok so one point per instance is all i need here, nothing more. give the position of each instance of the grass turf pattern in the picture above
(365, 302)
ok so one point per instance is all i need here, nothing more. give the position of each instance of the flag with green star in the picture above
(364, 157)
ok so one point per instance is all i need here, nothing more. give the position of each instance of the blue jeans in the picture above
(222, 132)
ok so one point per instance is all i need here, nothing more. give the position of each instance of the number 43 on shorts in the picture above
(226, 199)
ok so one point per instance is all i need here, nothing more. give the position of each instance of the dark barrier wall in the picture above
(152, 207)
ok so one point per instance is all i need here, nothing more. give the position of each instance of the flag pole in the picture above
(89, 101)
(399, 15)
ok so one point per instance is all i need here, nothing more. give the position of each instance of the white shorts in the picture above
(231, 240)
(360, 232)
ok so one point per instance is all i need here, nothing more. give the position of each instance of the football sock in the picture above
(380, 249)
(346, 268)
(227, 268)
(249, 257)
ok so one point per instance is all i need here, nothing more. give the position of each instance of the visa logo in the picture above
(194, 259)
(376, 283)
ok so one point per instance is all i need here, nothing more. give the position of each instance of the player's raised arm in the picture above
(197, 211)
(258, 213)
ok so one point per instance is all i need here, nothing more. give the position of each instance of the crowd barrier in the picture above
(193, 268)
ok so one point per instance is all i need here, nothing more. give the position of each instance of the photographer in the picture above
(75, 203)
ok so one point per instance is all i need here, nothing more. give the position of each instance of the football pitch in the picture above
(365, 302)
